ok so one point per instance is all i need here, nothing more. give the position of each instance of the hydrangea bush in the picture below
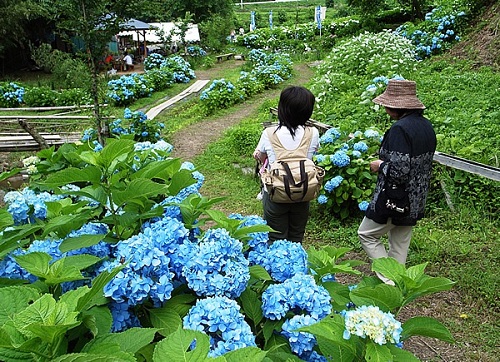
(11, 94)
(348, 183)
(436, 34)
(117, 247)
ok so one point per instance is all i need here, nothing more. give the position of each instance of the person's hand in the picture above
(375, 165)
(256, 155)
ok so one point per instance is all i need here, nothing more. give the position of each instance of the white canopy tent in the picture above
(151, 35)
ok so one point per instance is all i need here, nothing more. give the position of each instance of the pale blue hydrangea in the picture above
(330, 136)
(216, 265)
(220, 318)
(257, 239)
(332, 184)
(360, 146)
(322, 199)
(123, 317)
(300, 342)
(371, 133)
(340, 159)
(371, 322)
(319, 158)
(284, 259)
(299, 293)
(363, 205)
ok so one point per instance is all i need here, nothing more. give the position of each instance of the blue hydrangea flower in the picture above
(300, 342)
(216, 265)
(330, 136)
(220, 318)
(332, 184)
(299, 293)
(340, 159)
(360, 146)
(284, 259)
(363, 205)
(322, 199)
(370, 133)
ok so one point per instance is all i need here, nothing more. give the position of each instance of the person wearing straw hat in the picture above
(404, 165)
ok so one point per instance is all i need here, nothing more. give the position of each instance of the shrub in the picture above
(40, 97)
(71, 97)
(11, 94)
(72, 73)
(220, 94)
(348, 182)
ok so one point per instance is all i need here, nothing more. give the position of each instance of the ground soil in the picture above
(448, 307)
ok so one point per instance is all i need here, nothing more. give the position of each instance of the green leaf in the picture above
(64, 224)
(72, 175)
(79, 242)
(429, 285)
(427, 327)
(113, 356)
(247, 354)
(5, 219)
(139, 188)
(15, 237)
(14, 300)
(335, 352)
(98, 285)
(36, 263)
(177, 347)
(167, 320)
(402, 355)
(377, 353)
(114, 152)
(129, 341)
(386, 297)
(252, 305)
(388, 267)
(98, 320)
(258, 272)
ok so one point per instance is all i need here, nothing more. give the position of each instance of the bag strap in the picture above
(282, 153)
(288, 179)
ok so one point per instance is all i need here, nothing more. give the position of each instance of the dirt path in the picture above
(193, 140)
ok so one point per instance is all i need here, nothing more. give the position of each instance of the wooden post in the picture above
(33, 132)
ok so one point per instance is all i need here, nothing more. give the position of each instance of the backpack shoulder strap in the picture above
(282, 153)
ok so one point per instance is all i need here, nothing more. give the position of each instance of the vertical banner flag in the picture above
(271, 19)
(252, 21)
(318, 16)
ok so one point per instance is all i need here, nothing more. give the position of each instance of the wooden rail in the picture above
(490, 172)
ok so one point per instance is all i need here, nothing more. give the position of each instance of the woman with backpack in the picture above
(293, 139)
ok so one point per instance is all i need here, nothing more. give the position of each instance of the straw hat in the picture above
(400, 94)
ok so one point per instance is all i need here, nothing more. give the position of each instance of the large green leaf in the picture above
(386, 297)
(62, 225)
(178, 347)
(138, 188)
(115, 151)
(334, 351)
(252, 306)
(428, 286)
(180, 180)
(130, 340)
(98, 285)
(258, 272)
(72, 175)
(14, 299)
(98, 320)
(167, 320)
(79, 242)
(163, 170)
(377, 353)
(6, 219)
(247, 354)
(15, 237)
(427, 327)
(111, 356)
(36, 263)
(401, 355)
(388, 267)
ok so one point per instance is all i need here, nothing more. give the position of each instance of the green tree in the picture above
(15, 17)
(202, 10)
(95, 22)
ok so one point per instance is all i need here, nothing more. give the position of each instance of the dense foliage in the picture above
(108, 240)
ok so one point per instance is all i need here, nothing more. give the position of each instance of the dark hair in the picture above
(405, 111)
(295, 107)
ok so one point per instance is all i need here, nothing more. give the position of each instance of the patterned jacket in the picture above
(407, 151)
